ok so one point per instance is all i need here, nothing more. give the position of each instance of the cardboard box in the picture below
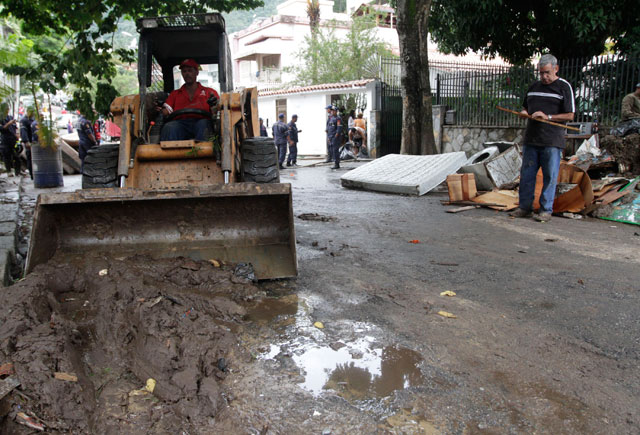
(462, 187)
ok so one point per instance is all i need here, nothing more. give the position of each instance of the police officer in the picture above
(280, 135)
(8, 139)
(293, 141)
(334, 133)
(326, 130)
(86, 136)
(26, 136)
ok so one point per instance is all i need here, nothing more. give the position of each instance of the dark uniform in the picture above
(280, 133)
(334, 133)
(26, 137)
(8, 141)
(293, 143)
(87, 139)
(263, 130)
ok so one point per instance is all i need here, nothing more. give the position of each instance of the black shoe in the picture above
(281, 167)
(288, 163)
(335, 167)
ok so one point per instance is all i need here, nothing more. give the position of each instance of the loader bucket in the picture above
(240, 222)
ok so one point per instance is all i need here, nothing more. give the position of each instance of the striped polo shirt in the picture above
(556, 97)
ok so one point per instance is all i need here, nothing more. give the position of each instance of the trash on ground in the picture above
(447, 315)
(28, 421)
(404, 174)
(462, 187)
(414, 241)
(448, 293)
(69, 377)
(7, 385)
(494, 168)
(318, 325)
(103, 272)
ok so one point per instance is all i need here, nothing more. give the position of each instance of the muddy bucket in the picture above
(242, 222)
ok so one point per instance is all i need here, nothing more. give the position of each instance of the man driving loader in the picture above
(193, 105)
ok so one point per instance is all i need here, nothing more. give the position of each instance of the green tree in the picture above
(517, 29)
(88, 27)
(329, 59)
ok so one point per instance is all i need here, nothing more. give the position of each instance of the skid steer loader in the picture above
(219, 199)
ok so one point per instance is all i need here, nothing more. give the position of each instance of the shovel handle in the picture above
(537, 119)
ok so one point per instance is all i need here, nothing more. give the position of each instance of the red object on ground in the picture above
(112, 129)
(414, 241)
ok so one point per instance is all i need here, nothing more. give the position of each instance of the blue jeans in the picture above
(183, 129)
(533, 158)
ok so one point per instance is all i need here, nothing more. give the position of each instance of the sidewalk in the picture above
(9, 197)
(18, 197)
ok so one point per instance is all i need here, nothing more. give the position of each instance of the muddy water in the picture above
(355, 369)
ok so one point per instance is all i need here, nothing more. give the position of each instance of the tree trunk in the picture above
(417, 122)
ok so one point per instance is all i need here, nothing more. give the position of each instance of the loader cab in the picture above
(166, 41)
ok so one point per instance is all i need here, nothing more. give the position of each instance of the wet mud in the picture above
(113, 324)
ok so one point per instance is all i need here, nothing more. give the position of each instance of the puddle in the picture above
(357, 370)
(354, 365)
(269, 308)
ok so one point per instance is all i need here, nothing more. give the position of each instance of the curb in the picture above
(10, 199)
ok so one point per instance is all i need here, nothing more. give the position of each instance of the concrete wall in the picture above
(470, 138)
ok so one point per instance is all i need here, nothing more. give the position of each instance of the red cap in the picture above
(190, 62)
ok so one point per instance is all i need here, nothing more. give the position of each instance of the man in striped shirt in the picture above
(550, 98)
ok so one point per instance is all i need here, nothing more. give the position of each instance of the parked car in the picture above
(63, 120)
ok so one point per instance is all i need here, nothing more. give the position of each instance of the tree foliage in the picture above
(88, 27)
(330, 59)
(518, 29)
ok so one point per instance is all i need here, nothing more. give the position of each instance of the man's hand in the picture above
(212, 101)
(166, 109)
(523, 114)
(539, 115)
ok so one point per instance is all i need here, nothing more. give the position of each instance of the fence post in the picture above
(438, 89)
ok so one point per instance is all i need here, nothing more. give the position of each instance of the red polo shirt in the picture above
(179, 99)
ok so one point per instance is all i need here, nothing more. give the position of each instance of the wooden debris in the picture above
(7, 385)
(28, 421)
(70, 377)
(461, 209)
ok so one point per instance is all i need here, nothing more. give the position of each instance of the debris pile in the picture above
(104, 345)
(600, 180)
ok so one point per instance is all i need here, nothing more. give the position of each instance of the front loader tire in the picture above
(259, 160)
(101, 167)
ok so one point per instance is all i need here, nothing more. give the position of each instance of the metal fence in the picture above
(474, 89)
(599, 84)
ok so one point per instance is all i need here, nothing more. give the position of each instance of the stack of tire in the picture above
(101, 167)
(259, 160)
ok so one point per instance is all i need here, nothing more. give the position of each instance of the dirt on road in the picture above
(85, 336)
(543, 338)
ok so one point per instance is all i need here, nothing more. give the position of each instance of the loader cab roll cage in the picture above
(167, 41)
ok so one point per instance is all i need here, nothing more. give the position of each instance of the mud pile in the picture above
(113, 324)
(625, 150)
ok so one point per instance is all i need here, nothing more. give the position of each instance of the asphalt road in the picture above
(546, 337)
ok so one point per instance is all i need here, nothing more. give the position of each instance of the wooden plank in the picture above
(465, 208)
(70, 377)
(503, 200)
(7, 385)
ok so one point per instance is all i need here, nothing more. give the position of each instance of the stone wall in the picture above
(470, 138)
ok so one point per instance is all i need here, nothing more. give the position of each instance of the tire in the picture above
(259, 160)
(101, 167)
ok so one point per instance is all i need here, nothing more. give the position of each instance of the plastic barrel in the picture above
(47, 166)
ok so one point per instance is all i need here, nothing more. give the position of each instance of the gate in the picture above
(391, 120)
